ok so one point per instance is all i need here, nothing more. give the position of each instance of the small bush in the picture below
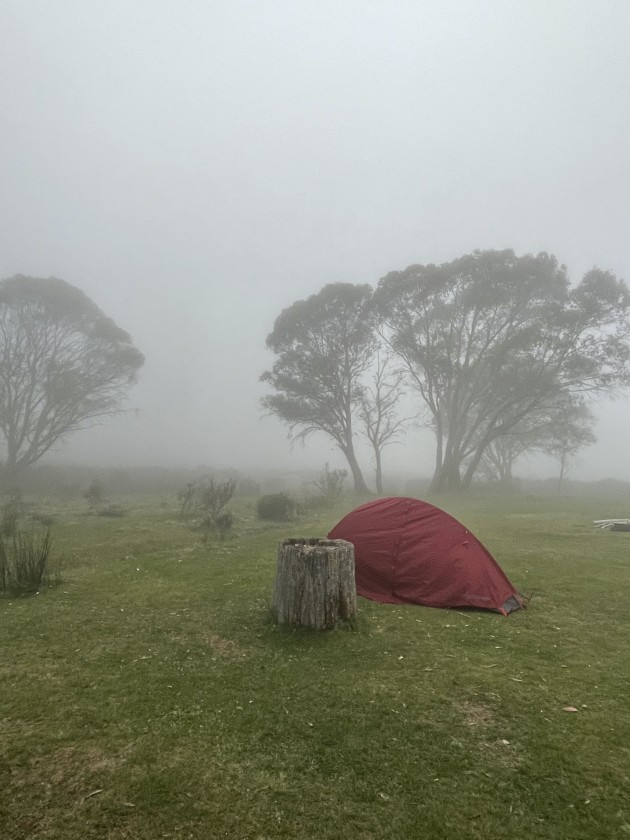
(112, 510)
(23, 560)
(224, 522)
(330, 484)
(188, 499)
(95, 493)
(278, 507)
(42, 519)
(11, 513)
(220, 525)
(206, 499)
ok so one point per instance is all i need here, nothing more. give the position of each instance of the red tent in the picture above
(410, 552)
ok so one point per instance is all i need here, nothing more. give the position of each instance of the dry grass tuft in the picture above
(475, 714)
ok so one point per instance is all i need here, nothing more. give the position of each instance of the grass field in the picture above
(150, 695)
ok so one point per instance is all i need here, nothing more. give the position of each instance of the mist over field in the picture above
(196, 168)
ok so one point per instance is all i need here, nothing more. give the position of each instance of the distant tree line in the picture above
(500, 353)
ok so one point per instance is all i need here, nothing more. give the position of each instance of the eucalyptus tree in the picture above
(323, 345)
(572, 432)
(560, 430)
(491, 338)
(382, 424)
(63, 365)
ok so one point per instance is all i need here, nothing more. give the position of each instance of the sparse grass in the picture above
(152, 696)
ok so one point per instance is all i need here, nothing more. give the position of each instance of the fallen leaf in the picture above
(569, 709)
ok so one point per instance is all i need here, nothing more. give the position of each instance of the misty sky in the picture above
(196, 166)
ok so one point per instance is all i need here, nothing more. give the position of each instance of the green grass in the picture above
(151, 695)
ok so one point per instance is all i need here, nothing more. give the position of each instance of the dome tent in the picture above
(410, 552)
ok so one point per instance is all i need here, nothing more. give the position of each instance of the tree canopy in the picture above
(63, 363)
(491, 338)
(560, 430)
(323, 345)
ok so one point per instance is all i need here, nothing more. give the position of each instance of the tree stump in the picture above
(315, 584)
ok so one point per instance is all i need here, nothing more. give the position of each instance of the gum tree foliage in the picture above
(560, 430)
(63, 364)
(323, 345)
(572, 433)
(491, 338)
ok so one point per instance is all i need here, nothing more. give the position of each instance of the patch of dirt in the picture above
(66, 771)
(218, 644)
(53, 784)
(222, 646)
(481, 718)
(475, 714)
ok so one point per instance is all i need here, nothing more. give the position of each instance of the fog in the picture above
(196, 167)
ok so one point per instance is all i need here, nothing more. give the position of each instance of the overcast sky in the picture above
(196, 166)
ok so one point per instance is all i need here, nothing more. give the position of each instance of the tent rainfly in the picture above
(410, 552)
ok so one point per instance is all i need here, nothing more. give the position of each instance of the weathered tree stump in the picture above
(315, 584)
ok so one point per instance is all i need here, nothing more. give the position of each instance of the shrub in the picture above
(279, 507)
(112, 510)
(221, 524)
(330, 484)
(95, 493)
(23, 559)
(10, 514)
(187, 499)
(206, 499)
(43, 519)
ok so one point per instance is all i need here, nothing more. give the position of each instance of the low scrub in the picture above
(221, 524)
(277, 507)
(10, 514)
(95, 493)
(205, 500)
(330, 485)
(112, 510)
(23, 561)
(44, 519)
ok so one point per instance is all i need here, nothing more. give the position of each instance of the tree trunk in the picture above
(379, 472)
(472, 466)
(563, 471)
(446, 479)
(10, 475)
(359, 482)
(315, 584)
